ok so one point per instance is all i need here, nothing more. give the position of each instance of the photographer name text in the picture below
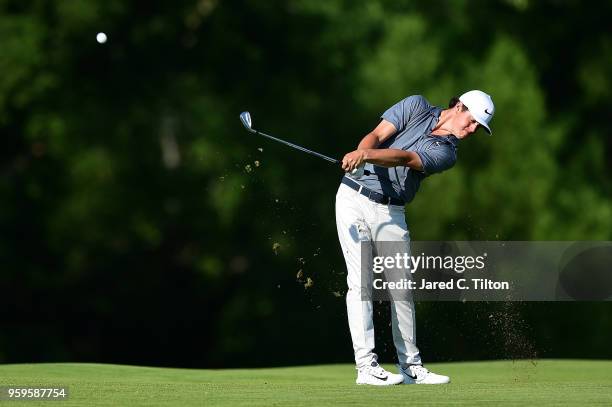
(459, 284)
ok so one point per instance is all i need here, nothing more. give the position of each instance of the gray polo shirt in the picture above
(414, 118)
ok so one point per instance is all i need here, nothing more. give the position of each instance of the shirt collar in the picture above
(435, 112)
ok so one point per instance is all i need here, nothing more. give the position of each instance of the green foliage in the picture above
(128, 186)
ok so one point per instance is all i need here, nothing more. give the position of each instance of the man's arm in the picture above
(368, 151)
(391, 157)
(373, 139)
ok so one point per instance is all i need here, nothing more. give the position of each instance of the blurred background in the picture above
(141, 224)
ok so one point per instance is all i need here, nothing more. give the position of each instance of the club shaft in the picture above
(332, 160)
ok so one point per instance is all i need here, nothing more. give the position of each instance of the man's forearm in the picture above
(390, 157)
(369, 141)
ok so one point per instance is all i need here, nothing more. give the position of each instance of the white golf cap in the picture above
(480, 105)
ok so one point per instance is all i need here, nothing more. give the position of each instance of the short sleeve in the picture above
(400, 113)
(437, 157)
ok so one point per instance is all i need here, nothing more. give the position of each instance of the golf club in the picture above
(245, 118)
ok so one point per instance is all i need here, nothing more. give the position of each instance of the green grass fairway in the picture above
(547, 382)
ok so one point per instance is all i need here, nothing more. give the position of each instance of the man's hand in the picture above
(353, 160)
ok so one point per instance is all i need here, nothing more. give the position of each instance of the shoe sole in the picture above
(413, 382)
(379, 384)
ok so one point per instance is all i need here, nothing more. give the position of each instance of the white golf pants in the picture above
(360, 219)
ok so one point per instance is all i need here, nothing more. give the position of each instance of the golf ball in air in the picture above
(101, 38)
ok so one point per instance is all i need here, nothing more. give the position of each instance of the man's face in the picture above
(464, 123)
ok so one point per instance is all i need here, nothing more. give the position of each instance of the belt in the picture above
(371, 195)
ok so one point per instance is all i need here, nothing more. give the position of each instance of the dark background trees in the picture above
(141, 224)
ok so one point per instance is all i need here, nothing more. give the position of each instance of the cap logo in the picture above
(487, 112)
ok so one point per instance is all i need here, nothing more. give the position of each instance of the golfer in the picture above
(413, 141)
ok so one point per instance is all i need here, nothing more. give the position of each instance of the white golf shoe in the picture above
(417, 374)
(377, 376)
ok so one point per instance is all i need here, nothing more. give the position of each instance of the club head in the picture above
(245, 118)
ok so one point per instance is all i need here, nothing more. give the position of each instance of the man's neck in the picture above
(442, 128)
